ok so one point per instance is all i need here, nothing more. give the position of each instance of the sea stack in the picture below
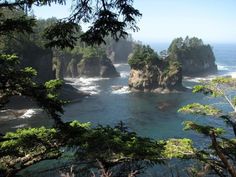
(151, 74)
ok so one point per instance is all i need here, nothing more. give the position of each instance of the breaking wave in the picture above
(87, 85)
(120, 90)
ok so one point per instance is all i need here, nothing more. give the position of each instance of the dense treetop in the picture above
(180, 43)
(142, 55)
(186, 48)
(194, 56)
(107, 17)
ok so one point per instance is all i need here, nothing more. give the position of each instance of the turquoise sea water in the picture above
(148, 114)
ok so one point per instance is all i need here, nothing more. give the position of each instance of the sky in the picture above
(164, 20)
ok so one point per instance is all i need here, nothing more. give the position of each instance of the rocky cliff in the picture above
(160, 78)
(195, 57)
(118, 51)
(150, 74)
(97, 67)
(40, 59)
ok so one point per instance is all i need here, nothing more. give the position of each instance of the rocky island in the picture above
(97, 67)
(85, 62)
(195, 57)
(151, 74)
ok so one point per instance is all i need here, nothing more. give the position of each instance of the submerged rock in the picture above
(117, 87)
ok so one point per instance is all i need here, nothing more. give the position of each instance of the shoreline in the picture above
(21, 107)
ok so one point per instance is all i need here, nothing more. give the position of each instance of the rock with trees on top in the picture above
(150, 73)
(195, 57)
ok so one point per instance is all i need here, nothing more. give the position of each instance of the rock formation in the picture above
(97, 67)
(149, 73)
(195, 57)
(156, 78)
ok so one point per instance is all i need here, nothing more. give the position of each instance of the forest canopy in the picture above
(107, 17)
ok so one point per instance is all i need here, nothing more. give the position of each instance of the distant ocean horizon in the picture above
(225, 54)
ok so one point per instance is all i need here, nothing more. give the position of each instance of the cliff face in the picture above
(95, 67)
(118, 51)
(195, 57)
(197, 61)
(40, 59)
(107, 69)
(161, 78)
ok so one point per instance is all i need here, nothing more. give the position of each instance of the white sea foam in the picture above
(87, 85)
(117, 65)
(124, 74)
(29, 113)
(200, 79)
(232, 74)
(20, 126)
(222, 67)
(121, 90)
(120, 64)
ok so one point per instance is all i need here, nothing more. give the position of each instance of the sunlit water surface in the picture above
(148, 114)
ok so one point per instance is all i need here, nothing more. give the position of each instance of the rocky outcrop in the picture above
(197, 61)
(65, 64)
(95, 67)
(68, 93)
(149, 73)
(118, 51)
(107, 69)
(38, 58)
(195, 57)
(161, 78)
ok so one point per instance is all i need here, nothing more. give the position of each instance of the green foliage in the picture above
(30, 71)
(116, 147)
(118, 150)
(179, 148)
(27, 146)
(196, 108)
(122, 146)
(92, 52)
(223, 80)
(142, 55)
(234, 101)
(16, 81)
(53, 84)
(19, 140)
(76, 123)
(220, 154)
(15, 22)
(107, 18)
(187, 43)
(206, 90)
(206, 130)
(62, 34)
(194, 56)
(171, 67)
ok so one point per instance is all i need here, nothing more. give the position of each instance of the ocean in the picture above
(149, 114)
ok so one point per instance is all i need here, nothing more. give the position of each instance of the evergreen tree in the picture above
(220, 156)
